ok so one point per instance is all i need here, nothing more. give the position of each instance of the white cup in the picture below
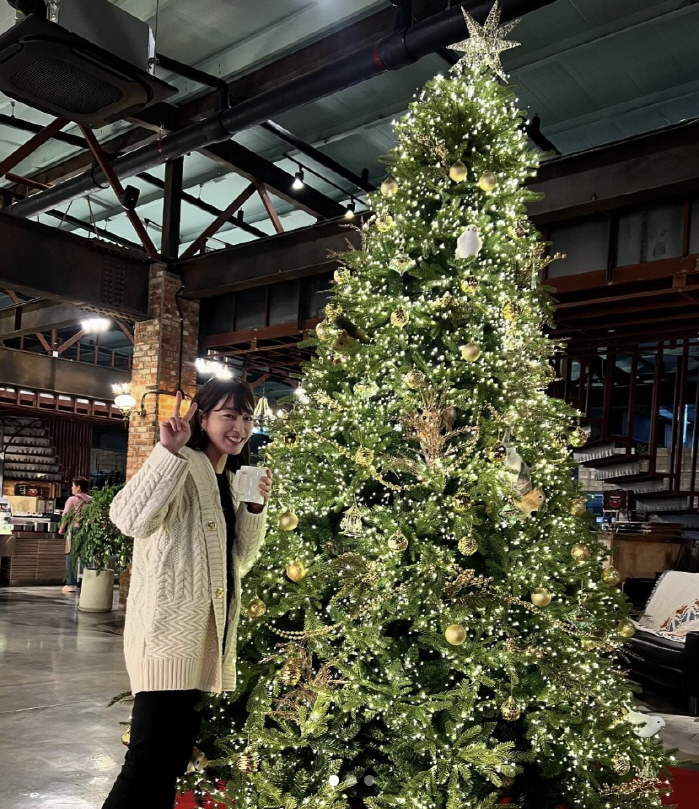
(246, 484)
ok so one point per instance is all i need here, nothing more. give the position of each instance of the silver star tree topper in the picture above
(485, 42)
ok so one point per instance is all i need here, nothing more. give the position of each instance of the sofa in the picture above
(664, 652)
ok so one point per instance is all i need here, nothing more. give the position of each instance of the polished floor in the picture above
(60, 746)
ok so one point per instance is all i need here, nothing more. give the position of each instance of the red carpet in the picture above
(685, 793)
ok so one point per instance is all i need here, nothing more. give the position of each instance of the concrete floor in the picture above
(60, 746)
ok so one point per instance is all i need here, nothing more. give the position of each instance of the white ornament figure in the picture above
(469, 243)
(517, 470)
(645, 724)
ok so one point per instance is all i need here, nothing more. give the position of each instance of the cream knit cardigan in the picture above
(173, 639)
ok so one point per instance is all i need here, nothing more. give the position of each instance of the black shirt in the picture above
(224, 489)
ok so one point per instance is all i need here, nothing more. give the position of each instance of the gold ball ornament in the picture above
(580, 552)
(341, 275)
(384, 223)
(578, 507)
(487, 181)
(470, 352)
(288, 521)
(512, 311)
(510, 710)
(455, 634)
(389, 187)
(468, 545)
(541, 597)
(559, 441)
(296, 571)
(469, 284)
(578, 438)
(248, 761)
(323, 330)
(621, 765)
(611, 576)
(256, 608)
(458, 172)
(126, 736)
(462, 501)
(290, 673)
(364, 456)
(398, 542)
(626, 629)
(414, 379)
(497, 453)
(400, 318)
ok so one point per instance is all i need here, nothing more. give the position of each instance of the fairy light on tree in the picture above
(428, 624)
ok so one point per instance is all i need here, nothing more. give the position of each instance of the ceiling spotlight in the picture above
(94, 325)
(298, 180)
(349, 213)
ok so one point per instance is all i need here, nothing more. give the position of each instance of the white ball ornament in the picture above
(469, 243)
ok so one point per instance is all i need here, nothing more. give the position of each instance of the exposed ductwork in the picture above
(395, 51)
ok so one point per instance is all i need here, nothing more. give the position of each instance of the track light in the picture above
(298, 180)
(349, 213)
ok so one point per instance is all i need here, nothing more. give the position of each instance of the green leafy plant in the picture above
(95, 540)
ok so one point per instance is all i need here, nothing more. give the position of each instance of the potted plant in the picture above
(101, 548)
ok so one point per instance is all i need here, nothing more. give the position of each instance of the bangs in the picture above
(240, 399)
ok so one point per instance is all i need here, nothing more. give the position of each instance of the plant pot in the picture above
(97, 591)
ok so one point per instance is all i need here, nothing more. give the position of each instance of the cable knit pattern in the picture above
(173, 639)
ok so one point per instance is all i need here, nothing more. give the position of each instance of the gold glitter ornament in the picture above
(578, 438)
(580, 552)
(559, 441)
(389, 187)
(332, 310)
(510, 710)
(458, 172)
(621, 765)
(611, 576)
(398, 542)
(540, 597)
(497, 453)
(578, 507)
(468, 545)
(462, 501)
(487, 182)
(455, 634)
(400, 318)
(290, 673)
(296, 571)
(256, 608)
(470, 352)
(364, 456)
(351, 524)
(414, 379)
(323, 330)
(401, 263)
(512, 311)
(469, 284)
(626, 629)
(248, 761)
(384, 223)
(341, 275)
(288, 521)
(291, 440)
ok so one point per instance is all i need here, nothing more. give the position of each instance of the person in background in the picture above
(78, 499)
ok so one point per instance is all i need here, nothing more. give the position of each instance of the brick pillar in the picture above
(156, 368)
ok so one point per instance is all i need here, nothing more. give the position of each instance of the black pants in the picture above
(164, 727)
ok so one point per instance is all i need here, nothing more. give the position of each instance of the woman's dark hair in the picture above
(214, 395)
(82, 483)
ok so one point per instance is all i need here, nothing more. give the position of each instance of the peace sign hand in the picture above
(176, 431)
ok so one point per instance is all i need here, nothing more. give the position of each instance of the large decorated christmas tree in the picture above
(432, 622)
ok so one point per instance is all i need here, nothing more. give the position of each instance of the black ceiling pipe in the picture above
(393, 52)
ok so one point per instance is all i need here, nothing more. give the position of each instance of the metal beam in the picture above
(38, 317)
(172, 208)
(44, 262)
(295, 254)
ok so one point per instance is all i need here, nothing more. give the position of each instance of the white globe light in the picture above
(125, 402)
(334, 780)
(369, 780)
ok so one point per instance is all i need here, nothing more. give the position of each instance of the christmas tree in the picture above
(431, 622)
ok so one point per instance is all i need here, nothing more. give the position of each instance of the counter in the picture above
(32, 558)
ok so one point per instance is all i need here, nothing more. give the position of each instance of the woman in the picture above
(192, 544)
(78, 499)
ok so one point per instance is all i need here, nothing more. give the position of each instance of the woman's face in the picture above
(74, 489)
(226, 428)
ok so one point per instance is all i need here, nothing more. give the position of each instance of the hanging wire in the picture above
(157, 19)
(92, 216)
(62, 222)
